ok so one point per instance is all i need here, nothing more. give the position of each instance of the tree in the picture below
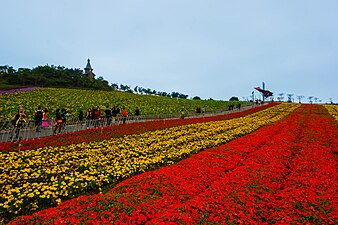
(234, 99)
(114, 86)
(124, 87)
(175, 94)
(316, 99)
(140, 90)
(165, 94)
(196, 98)
(148, 91)
(289, 97)
(310, 99)
(50, 76)
(183, 96)
(331, 101)
(136, 89)
(6, 71)
(300, 97)
(281, 97)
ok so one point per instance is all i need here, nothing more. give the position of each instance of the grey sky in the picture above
(212, 49)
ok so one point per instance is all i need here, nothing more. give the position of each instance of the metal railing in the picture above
(10, 133)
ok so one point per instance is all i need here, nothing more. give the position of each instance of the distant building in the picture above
(89, 70)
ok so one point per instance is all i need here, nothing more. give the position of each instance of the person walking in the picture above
(182, 115)
(117, 108)
(108, 113)
(44, 118)
(20, 123)
(136, 113)
(203, 110)
(124, 115)
(97, 116)
(113, 113)
(239, 105)
(58, 120)
(80, 117)
(38, 116)
(88, 117)
(13, 123)
(64, 115)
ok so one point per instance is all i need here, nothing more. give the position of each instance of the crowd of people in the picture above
(20, 119)
(94, 117)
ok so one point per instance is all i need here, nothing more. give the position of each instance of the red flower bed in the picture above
(119, 130)
(283, 173)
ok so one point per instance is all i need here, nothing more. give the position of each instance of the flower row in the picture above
(118, 130)
(284, 173)
(18, 90)
(333, 110)
(38, 178)
(291, 179)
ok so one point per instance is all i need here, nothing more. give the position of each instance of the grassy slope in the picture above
(75, 99)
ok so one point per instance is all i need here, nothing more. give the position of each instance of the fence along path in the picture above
(8, 133)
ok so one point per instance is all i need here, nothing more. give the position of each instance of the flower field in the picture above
(34, 179)
(76, 99)
(283, 173)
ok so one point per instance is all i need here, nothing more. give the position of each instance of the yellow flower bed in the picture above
(34, 179)
(333, 110)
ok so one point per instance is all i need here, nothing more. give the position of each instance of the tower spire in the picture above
(88, 67)
(89, 70)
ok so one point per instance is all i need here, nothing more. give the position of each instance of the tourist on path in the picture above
(58, 120)
(108, 113)
(124, 115)
(38, 116)
(45, 123)
(88, 117)
(114, 114)
(136, 113)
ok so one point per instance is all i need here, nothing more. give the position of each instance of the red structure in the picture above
(265, 93)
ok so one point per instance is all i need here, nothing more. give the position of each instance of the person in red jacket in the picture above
(124, 114)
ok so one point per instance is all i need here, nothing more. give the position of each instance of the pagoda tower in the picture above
(89, 70)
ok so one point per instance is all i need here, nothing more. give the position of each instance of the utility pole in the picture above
(263, 86)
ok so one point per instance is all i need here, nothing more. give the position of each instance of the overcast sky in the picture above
(211, 48)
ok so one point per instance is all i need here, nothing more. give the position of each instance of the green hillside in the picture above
(76, 99)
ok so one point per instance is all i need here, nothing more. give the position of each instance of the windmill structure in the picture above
(265, 93)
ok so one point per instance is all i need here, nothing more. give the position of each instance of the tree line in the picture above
(50, 76)
(148, 91)
(59, 76)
